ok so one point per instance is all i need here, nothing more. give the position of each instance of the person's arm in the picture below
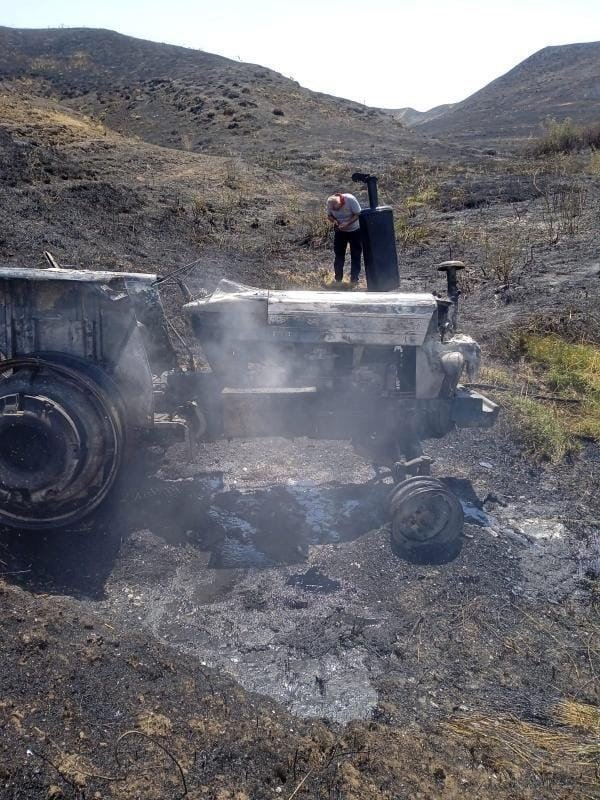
(347, 224)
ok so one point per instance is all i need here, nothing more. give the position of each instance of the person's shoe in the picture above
(354, 284)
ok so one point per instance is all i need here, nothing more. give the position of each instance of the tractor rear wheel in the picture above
(61, 443)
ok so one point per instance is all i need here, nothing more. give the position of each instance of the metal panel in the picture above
(384, 318)
(268, 411)
(472, 410)
(388, 303)
(406, 330)
(375, 318)
(87, 276)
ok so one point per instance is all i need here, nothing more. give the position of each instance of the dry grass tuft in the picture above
(35, 111)
(578, 715)
(153, 724)
(512, 744)
(315, 229)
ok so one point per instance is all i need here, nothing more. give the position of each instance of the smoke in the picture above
(268, 376)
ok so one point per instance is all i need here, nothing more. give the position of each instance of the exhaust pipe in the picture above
(451, 268)
(378, 240)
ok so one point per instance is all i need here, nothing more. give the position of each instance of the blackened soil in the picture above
(236, 625)
(249, 630)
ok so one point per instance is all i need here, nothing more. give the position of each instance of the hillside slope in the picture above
(97, 198)
(412, 118)
(556, 81)
(192, 100)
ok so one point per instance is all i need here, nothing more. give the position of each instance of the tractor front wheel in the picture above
(427, 520)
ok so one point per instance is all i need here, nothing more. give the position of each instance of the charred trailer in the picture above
(78, 350)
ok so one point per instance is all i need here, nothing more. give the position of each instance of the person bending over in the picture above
(343, 210)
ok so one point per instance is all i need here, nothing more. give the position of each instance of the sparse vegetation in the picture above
(552, 393)
(542, 432)
(565, 136)
(574, 369)
(410, 233)
(422, 199)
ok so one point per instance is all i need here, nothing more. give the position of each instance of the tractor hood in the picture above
(356, 318)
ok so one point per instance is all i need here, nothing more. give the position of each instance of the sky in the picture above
(386, 53)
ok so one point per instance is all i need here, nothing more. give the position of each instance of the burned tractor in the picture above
(88, 374)
(76, 387)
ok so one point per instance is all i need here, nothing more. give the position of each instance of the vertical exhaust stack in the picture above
(378, 240)
(451, 268)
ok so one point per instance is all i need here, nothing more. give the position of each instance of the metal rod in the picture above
(174, 272)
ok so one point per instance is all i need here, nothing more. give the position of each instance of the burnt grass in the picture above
(106, 632)
(94, 706)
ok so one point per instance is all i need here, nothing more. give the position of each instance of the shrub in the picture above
(504, 253)
(565, 136)
(564, 197)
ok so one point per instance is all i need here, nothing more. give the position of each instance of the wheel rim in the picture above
(424, 511)
(61, 444)
(36, 438)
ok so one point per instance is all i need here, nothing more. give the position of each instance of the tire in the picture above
(62, 440)
(427, 520)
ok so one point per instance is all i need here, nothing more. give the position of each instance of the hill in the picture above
(96, 197)
(192, 100)
(412, 118)
(129, 154)
(555, 82)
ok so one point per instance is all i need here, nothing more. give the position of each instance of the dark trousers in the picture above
(341, 239)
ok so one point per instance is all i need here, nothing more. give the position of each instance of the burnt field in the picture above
(241, 620)
(234, 623)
